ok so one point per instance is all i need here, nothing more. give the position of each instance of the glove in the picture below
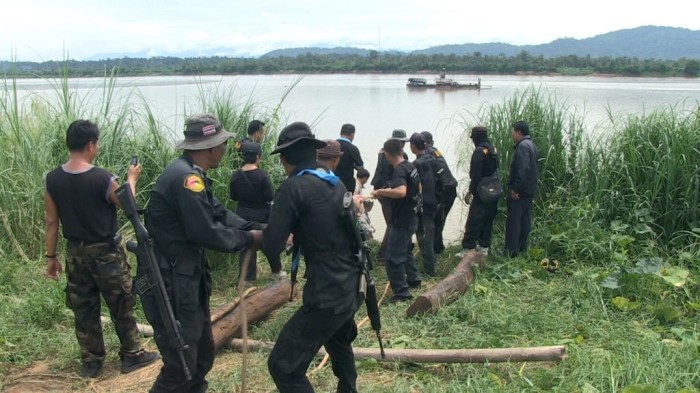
(281, 275)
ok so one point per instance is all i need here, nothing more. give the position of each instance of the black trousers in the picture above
(518, 225)
(400, 264)
(258, 215)
(479, 226)
(195, 322)
(440, 218)
(386, 212)
(425, 235)
(302, 337)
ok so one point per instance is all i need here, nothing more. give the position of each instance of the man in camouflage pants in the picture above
(81, 197)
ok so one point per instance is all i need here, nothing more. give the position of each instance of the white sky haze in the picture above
(36, 30)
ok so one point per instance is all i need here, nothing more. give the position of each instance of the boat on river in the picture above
(441, 83)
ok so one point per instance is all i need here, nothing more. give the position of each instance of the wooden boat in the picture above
(441, 83)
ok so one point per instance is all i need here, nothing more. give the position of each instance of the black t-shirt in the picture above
(403, 209)
(84, 208)
(253, 190)
(350, 160)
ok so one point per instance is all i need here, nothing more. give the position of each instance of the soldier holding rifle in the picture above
(184, 219)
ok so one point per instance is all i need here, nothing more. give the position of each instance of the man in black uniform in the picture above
(523, 186)
(426, 217)
(446, 190)
(381, 179)
(403, 192)
(479, 225)
(309, 204)
(81, 197)
(351, 158)
(184, 219)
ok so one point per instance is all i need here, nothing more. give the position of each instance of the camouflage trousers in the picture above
(94, 269)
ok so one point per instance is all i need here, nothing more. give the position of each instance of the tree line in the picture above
(374, 62)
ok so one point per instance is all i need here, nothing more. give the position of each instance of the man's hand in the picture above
(257, 240)
(134, 172)
(468, 198)
(53, 268)
(375, 193)
(514, 195)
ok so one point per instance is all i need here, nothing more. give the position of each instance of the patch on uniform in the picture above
(486, 151)
(194, 183)
(437, 154)
(237, 146)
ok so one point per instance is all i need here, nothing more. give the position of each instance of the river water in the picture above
(377, 104)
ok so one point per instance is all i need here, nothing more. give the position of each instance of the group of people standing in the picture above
(308, 213)
(522, 186)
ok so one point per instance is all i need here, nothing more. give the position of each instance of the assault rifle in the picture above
(368, 287)
(152, 279)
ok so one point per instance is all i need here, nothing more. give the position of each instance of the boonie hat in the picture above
(399, 135)
(418, 140)
(251, 148)
(297, 133)
(203, 131)
(332, 149)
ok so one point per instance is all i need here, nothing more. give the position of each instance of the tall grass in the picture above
(642, 176)
(32, 142)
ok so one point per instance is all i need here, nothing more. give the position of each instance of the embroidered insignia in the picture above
(209, 129)
(437, 153)
(238, 145)
(194, 183)
(486, 151)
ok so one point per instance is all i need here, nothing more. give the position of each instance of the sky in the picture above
(41, 30)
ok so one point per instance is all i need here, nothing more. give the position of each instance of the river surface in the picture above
(377, 104)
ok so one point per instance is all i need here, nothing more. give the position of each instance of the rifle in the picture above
(368, 288)
(144, 250)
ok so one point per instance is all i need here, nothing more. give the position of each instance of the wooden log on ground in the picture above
(224, 309)
(144, 330)
(259, 305)
(482, 355)
(449, 289)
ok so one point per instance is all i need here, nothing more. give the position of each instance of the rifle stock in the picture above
(147, 260)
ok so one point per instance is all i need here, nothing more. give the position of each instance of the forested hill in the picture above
(646, 42)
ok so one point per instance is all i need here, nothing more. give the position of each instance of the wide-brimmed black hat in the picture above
(297, 133)
(203, 131)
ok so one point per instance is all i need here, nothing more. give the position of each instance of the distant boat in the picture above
(442, 83)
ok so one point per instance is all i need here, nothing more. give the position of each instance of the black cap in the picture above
(250, 148)
(297, 133)
(428, 137)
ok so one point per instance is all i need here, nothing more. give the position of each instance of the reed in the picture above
(32, 142)
(642, 173)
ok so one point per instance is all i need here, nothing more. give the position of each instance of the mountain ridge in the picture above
(644, 42)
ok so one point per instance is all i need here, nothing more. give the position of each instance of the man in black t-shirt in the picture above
(382, 177)
(81, 197)
(403, 191)
(350, 160)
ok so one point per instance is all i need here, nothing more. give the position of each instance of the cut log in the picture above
(259, 305)
(144, 330)
(449, 289)
(483, 355)
(224, 309)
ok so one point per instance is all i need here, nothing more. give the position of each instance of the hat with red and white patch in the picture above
(203, 131)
